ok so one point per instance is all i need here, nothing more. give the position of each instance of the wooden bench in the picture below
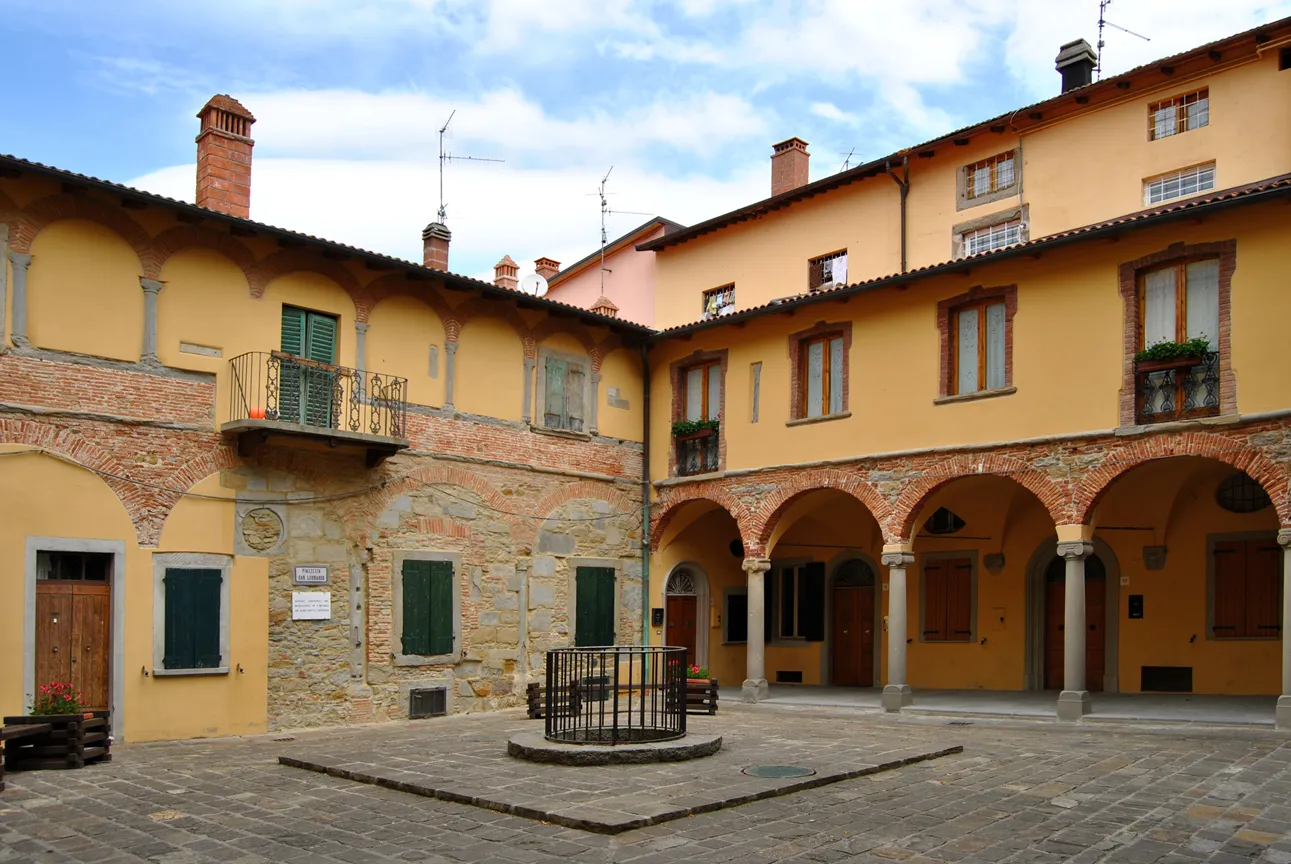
(701, 697)
(13, 733)
(63, 741)
(568, 700)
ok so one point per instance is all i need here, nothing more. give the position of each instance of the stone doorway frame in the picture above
(702, 607)
(880, 587)
(1035, 600)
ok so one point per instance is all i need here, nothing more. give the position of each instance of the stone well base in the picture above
(535, 748)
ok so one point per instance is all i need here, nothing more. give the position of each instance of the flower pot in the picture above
(1172, 363)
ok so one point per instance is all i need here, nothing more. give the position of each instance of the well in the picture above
(615, 695)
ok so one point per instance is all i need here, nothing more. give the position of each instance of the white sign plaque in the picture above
(313, 575)
(311, 605)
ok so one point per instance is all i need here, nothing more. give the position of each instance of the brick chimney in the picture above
(604, 306)
(505, 272)
(1075, 62)
(434, 246)
(224, 157)
(789, 165)
(546, 267)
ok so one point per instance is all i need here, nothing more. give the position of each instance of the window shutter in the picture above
(594, 606)
(1230, 590)
(179, 621)
(811, 616)
(1158, 307)
(416, 607)
(321, 338)
(293, 331)
(1263, 609)
(555, 396)
(714, 391)
(967, 358)
(995, 346)
(959, 600)
(574, 377)
(836, 362)
(205, 593)
(737, 617)
(815, 380)
(788, 598)
(695, 393)
(440, 637)
(934, 601)
(1203, 301)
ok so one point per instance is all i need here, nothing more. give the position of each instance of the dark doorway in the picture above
(852, 635)
(1055, 582)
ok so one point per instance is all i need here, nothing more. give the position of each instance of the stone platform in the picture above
(532, 746)
(470, 765)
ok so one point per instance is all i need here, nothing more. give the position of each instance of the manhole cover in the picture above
(778, 771)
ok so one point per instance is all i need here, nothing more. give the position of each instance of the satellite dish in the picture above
(534, 284)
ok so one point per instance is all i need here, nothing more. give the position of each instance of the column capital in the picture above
(756, 565)
(530, 362)
(1284, 537)
(21, 260)
(361, 326)
(151, 286)
(899, 560)
(1075, 549)
(450, 347)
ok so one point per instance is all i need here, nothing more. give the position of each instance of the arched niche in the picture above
(619, 416)
(204, 307)
(405, 338)
(489, 377)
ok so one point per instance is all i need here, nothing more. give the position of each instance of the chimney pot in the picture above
(789, 163)
(505, 273)
(224, 157)
(1076, 62)
(434, 245)
(604, 306)
(546, 267)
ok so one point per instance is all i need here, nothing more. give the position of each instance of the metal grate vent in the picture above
(787, 676)
(1166, 679)
(427, 702)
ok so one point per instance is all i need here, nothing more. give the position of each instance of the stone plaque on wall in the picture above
(313, 574)
(311, 605)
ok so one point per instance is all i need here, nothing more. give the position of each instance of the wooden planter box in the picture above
(1148, 366)
(70, 741)
(701, 696)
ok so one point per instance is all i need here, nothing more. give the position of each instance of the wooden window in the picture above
(948, 600)
(1179, 184)
(1179, 114)
(990, 175)
(719, 301)
(979, 347)
(1247, 589)
(564, 382)
(701, 386)
(594, 606)
(800, 596)
(427, 607)
(821, 389)
(73, 566)
(192, 619)
(827, 270)
(1180, 302)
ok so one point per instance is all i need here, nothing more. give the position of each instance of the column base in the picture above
(1283, 720)
(1073, 704)
(754, 690)
(897, 696)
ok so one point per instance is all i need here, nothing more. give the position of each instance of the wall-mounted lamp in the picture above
(983, 642)
(994, 563)
(143, 670)
(1154, 557)
(241, 671)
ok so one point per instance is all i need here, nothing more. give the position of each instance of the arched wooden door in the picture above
(852, 632)
(681, 613)
(1055, 605)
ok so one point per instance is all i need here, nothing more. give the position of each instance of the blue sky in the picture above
(682, 97)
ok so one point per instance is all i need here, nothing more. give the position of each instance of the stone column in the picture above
(361, 347)
(755, 678)
(21, 261)
(591, 411)
(450, 369)
(1073, 701)
(1284, 701)
(529, 364)
(897, 693)
(151, 288)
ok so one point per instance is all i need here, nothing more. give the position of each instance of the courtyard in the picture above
(1017, 791)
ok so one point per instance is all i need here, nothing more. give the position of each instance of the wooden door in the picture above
(1095, 624)
(681, 626)
(852, 643)
(73, 638)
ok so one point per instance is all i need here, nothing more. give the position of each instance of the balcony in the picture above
(277, 395)
(1180, 389)
(697, 452)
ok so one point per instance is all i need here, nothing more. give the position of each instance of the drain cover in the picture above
(778, 771)
(960, 723)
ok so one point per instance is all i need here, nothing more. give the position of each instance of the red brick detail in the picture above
(1235, 452)
(580, 490)
(976, 294)
(366, 510)
(224, 158)
(789, 166)
(1130, 271)
(675, 499)
(551, 326)
(796, 343)
(675, 373)
(182, 237)
(530, 347)
(296, 260)
(481, 307)
(763, 523)
(40, 213)
(398, 285)
(443, 527)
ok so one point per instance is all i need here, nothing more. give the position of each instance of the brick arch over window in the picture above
(183, 237)
(763, 523)
(39, 214)
(1130, 271)
(666, 510)
(398, 285)
(552, 326)
(584, 490)
(479, 307)
(360, 515)
(1053, 496)
(296, 260)
(1271, 476)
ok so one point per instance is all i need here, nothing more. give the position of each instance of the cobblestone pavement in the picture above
(1019, 792)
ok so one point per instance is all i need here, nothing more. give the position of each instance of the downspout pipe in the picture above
(645, 494)
(903, 183)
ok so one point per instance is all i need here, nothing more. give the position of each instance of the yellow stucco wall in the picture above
(490, 370)
(622, 370)
(400, 335)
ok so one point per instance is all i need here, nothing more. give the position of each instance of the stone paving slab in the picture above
(606, 799)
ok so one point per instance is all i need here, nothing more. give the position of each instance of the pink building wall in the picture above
(629, 284)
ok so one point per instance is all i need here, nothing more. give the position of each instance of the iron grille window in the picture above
(1179, 184)
(427, 702)
(1179, 114)
(991, 175)
(74, 566)
(993, 237)
(827, 270)
(1179, 303)
(1240, 493)
(943, 522)
(719, 301)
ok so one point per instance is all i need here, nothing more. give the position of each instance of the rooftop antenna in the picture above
(449, 157)
(1103, 22)
(607, 211)
(847, 163)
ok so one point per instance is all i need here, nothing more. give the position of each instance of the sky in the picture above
(681, 98)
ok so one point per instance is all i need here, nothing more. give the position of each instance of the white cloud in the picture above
(830, 111)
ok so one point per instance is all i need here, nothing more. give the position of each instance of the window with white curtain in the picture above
(1191, 289)
(980, 347)
(702, 391)
(823, 361)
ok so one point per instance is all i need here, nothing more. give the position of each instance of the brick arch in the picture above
(189, 475)
(665, 510)
(478, 307)
(365, 510)
(287, 261)
(183, 237)
(40, 214)
(1267, 473)
(1053, 496)
(398, 285)
(551, 326)
(773, 507)
(586, 490)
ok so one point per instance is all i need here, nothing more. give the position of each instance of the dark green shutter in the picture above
(293, 331)
(320, 335)
(179, 614)
(811, 614)
(554, 399)
(441, 607)
(192, 625)
(594, 605)
(206, 618)
(416, 607)
(574, 397)
(289, 378)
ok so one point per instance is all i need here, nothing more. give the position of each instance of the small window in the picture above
(564, 383)
(827, 271)
(948, 600)
(702, 391)
(427, 607)
(943, 522)
(800, 601)
(736, 616)
(719, 301)
(1247, 590)
(979, 347)
(192, 618)
(1179, 114)
(1179, 184)
(1240, 493)
(824, 363)
(73, 566)
(594, 606)
(992, 237)
(990, 175)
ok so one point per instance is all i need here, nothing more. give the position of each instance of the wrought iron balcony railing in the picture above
(282, 388)
(1179, 389)
(697, 452)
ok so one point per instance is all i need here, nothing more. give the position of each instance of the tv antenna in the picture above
(1103, 22)
(847, 163)
(606, 211)
(449, 157)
